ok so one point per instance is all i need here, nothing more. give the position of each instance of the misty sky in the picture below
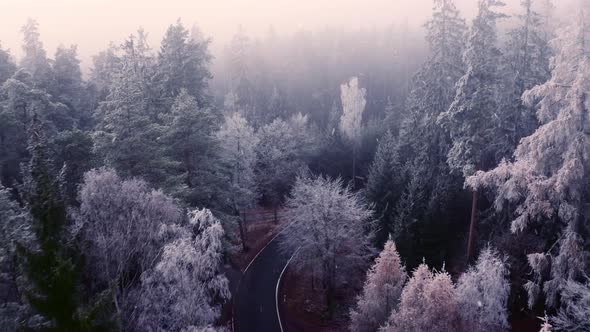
(93, 23)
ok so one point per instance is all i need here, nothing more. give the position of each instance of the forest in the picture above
(390, 179)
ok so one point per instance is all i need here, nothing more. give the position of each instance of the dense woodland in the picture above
(447, 183)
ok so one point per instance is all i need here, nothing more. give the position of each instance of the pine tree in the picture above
(546, 181)
(381, 292)
(7, 65)
(526, 55)
(48, 264)
(191, 143)
(183, 64)
(129, 127)
(470, 118)
(383, 185)
(422, 145)
(69, 87)
(35, 59)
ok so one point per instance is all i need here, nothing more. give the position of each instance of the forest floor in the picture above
(303, 305)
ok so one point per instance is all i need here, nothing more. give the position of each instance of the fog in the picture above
(91, 24)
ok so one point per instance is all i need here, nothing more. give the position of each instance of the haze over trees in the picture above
(429, 180)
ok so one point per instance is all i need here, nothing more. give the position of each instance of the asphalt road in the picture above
(255, 307)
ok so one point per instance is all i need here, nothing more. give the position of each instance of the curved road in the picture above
(256, 307)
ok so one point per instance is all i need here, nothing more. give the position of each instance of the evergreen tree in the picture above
(471, 119)
(546, 182)
(7, 65)
(381, 292)
(383, 185)
(191, 143)
(35, 59)
(183, 64)
(428, 303)
(526, 65)
(129, 127)
(19, 101)
(482, 294)
(69, 88)
(49, 265)
(422, 145)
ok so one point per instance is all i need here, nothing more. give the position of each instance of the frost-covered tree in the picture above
(47, 262)
(183, 63)
(546, 181)
(422, 146)
(128, 127)
(7, 65)
(482, 294)
(471, 117)
(383, 185)
(185, 289)
(329, 229)
(573, 314)
(34, 58)
(381, 292)
(14, 229)
(238, 62)
(283, 150)
(238, 143)
(546, 327)
(191, 143)
(353, 100)
(69, 87)
(20, 100)
(526, 65)
(428, 303)
(118, 223)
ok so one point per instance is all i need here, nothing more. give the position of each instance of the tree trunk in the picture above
(354, 166)
(241, 224)
(472, 223)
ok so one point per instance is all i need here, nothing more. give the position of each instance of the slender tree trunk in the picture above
(242, 225)
(118, 319)
(354, 166)
(472, 223)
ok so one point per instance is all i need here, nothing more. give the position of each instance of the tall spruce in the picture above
(526, 64)
(48, 264)
(183, 64)
(422, 145)
(471, 119)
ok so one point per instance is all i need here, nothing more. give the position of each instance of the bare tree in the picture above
(330, 228)
(118, 222)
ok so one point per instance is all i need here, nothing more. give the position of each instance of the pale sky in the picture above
(91, 24)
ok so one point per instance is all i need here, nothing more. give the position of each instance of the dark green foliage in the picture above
(73, 150)
(183, 63)
(48, 263)
(384, 185)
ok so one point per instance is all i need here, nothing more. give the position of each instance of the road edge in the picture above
(278, 288)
